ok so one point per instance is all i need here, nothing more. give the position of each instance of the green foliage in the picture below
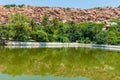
(68, 8)
(114, 33)
(87, 40)
(97, 8)
(112, 38)
(19, 18)
(116, 21)
(90, 29)
(55, 23)
(101, 37)
(119, 6)
(4, 32)
(10, 5)
(33, 24)
(14, 5)
(73, 32)
(40, 36)
(20, 26)
(45, 20)
(62, 39)
(21, 6)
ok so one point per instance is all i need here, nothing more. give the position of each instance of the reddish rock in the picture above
(72, 14)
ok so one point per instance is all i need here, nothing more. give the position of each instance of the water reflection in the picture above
(92, 63)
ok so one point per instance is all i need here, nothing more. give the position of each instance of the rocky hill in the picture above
(64, 14)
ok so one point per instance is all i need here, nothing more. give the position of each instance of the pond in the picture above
(59, 64)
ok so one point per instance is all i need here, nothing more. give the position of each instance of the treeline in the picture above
(23, 5)
(14, 5)
(22, 28)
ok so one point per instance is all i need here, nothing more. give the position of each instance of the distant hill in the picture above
(64, 14)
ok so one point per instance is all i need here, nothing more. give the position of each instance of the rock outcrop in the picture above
(63, 14)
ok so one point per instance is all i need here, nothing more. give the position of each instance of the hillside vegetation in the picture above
(22, 28)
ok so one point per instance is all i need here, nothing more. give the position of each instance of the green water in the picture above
(94, 64)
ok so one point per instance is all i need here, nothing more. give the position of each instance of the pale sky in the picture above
(66, 3)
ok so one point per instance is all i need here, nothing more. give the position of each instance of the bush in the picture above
(45, 20)
(119, 6)
(101, 38)
(20, 26)
(40, 36)
(7, 6)
(21, 6)
(10, 5)
(14, 5)
(68, 8)
(5, 32)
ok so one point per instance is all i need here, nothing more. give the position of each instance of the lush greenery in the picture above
(22, 28)
(69, 62)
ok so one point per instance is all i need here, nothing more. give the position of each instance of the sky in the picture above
(65, 3)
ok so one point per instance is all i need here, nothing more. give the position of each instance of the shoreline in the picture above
(59, 45)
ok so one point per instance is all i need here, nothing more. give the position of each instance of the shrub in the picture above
(40, 36)
(10, 5)
(21, 6)
(20, 26)
(68, 8)
(119, 6)
(14, 5)
(101, 38)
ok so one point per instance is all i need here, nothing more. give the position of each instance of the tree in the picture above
(112, 38)
(55, 23)
(20, 26)
(10, 5)
(40, 36)
(33, 24)
(60, 38)
(101, 37)
(114, 33)
(45, 20)
(21, 6)
(73, 32)
(119, 6)
(4, 32)
(90, 29)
